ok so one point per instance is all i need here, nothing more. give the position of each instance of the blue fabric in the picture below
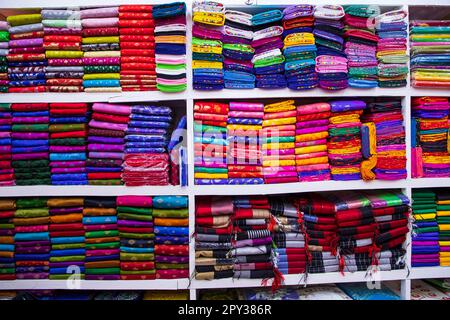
(136, 250)
(100, 220)
(67, 156)
(171, 231)
(68, 252)
(62, 240)
(31, 236)
(29, 257)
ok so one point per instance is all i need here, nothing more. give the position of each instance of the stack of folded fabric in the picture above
(176, 148)
(170, 48)
(244, 155)
(429, 125)
(279, 157)
(344, 141)
(101, 46)
(26, 56)
(252, 248)
(361, 46)
(62, 43)
(207, 60)
(383, 141)
(311, 142)
(331, 61)
(210, 143)
(319, 219)
(430, 63)
(32, 238)
(67, 236)
(102, 239)
(68, 132)
(443, 220)
(391, 49)
(135, 224)
(6, 169)
(137, 48)
(30, 140)
(146, 160)
(7, 244)
(171, 225)
(299, 48)
(425, 233)
(213, 228)
(106, 143)
(288, 237)
(4, 45)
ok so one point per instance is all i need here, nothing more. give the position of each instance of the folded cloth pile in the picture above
(102, 239)
(252, 244)
(288, 236)
(171, 225)
(207, 60)
(213, 234)
(6, 169)
(7, 244)
(331, 61)
(278, 147)
(429, 127)
(319, 220)
(62, 44)
(31, 238)
(146, 159)
(361, 46)
(210, 142)
(67, 236)
(26, 55)
(243, 132)
(101, 46)
(170, 47)
(383, 141)
(344, 141)
(425, 233)
(4, 45)
(68, 132)
(311, 142)
(430, 62)
(30, 143)
(137, 48)
(299, 48)
(392, 57)
(135, 224)
(443, 220)
(106, 143)
(177, 145)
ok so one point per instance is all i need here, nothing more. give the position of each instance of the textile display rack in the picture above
(184, 103)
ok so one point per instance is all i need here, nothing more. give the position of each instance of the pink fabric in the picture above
(244, 106)
(112, 108)
(135, 201)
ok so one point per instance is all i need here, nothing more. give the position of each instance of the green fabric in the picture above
(63, 276)
(102, 271)
(31, 203)
(171, 88)
(33, 182)
(130, 216)
(106, 182)
(101, 69)
(105, 245)
(443, 207)
(269, 61)
(124, 272)
(6, 225)
(68, 246)
(204, 42)
(67, 258)
(3, 69)
(31, 175)
(7, 270)
(427, 30)
(422, 211)
(208, 128)
(4, 36)
(31, 213)
(172, 266)
(207, 56)
(5, 106)
(278, 139)
(210, 170)
(130, 235)
(125, 256)
(30, 163)
(29, 127)
(362, 71)
(421, 206)
(70, 23)
(427, 229)
(239, 47)
(328, 43)
(181, 66)
(343, 131)
(443, 220)
(171, 213)
(364, 11)
(134, 210)
(67, 127)
(102, 234)
(68, 142)
(31, 170)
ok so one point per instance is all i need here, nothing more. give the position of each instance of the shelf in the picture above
(430, 273)
(430, 182)
(419, 92)
(79, 3)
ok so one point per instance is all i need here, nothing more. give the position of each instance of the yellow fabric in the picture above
(94, 76)
(58, 54)
(286, 105)
(393, 153)
(281, 145)
(278, 163)
(443, 213)
(279, 122)
(243, 127)
(430, 36)
(390, 53)
(311, 136)
(22, 19)
(201, 64)
(443, 202)
(211, 18)
(103, 89)
(110, 39)
(300, 38)
(311, 149)
(345, 170)
(344, 119)
(170, 39)
(444, 227)
(102, 54)
(344, 150)
(436, 159)
(304, 162)
(431, 76)
(206, 49)
(425, 216)
(202, 175)
(445, 244)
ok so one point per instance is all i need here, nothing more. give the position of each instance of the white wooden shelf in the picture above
(430, 273)
(429, 183)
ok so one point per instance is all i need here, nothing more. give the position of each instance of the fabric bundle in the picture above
(137, 48)
(311, 142)
(62, 44)
(177, 147)
(429, 131)
(31, 238)
(6, 168)
(30, 143)
(26, 56)
(171, 227)
(135, 225)
(67, 235)
(146, 160)
(443, 220)
(207, 60)
(361, 46)
(68, 133)
(7, 243)
(102, 50)
(278, 146)
(213, 235)
(392, 54)
(4, 45)
(106, 143)
(430, 62)
(210, 142)
(299, 49)
(244, 126)
(344, 140)
(170, 46)
(102, 239)
(425, 233)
